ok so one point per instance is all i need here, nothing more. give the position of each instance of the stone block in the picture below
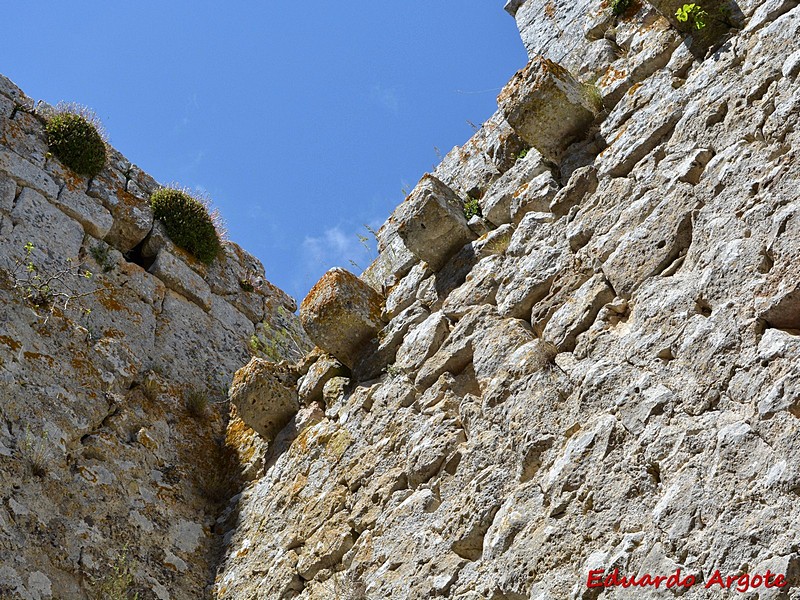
(547, 107)
(431, 222)
(28, 174)
(341, 314)
(265, 396)
(178, 277)
(312, 383)
(89, 212)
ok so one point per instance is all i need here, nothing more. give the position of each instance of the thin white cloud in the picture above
(336, 247)
(386, 98)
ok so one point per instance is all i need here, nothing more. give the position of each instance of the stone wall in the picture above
(602, 374)
(113, 410)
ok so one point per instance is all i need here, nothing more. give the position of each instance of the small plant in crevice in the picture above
(196, 404)
(523, 153)
(35, 452)
(249, 283)
(188, 222)
(220, 477)
(277, 343)
(693, 15)
(346, 586)
(595, 97)
(619, 7)
(472, 208)
(46, 288)
(75, 137)
(101, 256)
(117, 584)
(393, 371)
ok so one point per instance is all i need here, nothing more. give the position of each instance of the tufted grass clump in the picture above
(188, 222)
(76, 138)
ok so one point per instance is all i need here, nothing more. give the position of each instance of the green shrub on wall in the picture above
(187, 222)
(74, 137)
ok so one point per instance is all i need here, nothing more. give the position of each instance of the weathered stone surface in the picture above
(341, 314)
(546, 106)
(177, 276)
(422, 342)
(26, 173)
(311, 384)
(651, 426)
(404, 293)
(496, 204)
(265, 396)
(431, 222)
(94, 217)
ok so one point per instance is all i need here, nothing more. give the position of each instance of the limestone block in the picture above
(581, 183)
(26, 173)
(527, 281)
(133, 220)
(230, 318)
(312, 383)
(381, 352)
(404, 293)
(8, 189)
(47, 228)
(480, 287)
(422, 342)
(471, 169)
(10, 90)
(534, 197)
(90, 213)
(340, 314)
(496, 203)
(394, 262)
(578, 313)
(265, 396)
(546, 106)
(431, 222)
(652, 246)
(177, 276)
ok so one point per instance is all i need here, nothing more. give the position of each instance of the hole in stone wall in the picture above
(701, 307)
(136, 256)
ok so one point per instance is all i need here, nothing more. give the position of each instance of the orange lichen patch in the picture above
(128, 199)
(85, 368)
(106, 298)
(240, 437)
(37, 356)
(298, 484)
(550, 9)
(633, 88)
(87, 474)
(113, 333)
(521, 190)
(11, 343)
(300, 443)
(611, 76)
(72, 181)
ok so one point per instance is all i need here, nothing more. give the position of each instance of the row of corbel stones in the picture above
(347, 318)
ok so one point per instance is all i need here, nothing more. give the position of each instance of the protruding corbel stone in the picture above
(431, 222)
(265, 396)
(547, 107)
(341, 314)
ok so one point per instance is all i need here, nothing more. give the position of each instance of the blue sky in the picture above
(303, 121)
